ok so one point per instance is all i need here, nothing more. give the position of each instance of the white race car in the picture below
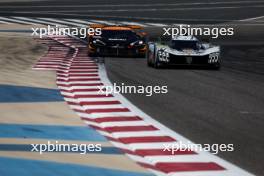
(183, 50)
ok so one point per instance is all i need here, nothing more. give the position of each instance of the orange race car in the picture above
(118, 41)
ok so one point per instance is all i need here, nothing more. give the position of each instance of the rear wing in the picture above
(136, 28)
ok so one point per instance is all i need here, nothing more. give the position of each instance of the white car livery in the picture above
(183, 50)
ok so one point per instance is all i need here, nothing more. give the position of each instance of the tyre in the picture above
(149, 61)
(157, 65)
(149, 64)
(92, 54)
(216, 66)
(150, 54)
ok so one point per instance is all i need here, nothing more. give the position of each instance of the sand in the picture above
(18, 55)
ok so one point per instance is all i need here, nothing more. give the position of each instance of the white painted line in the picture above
(93, 123)
(67, 87)
(105, 133)
(99, 115)
(252, 19)
(78, 87)
(120, 145)
(17, 21)
(81, 21)
(143, 146)
(133, 23)
(48, 69)
(139, 159)
(63, 22)
(159, 173)
(84, 93)
(80, 76)
(156, 24)
(150, 145)
(40, 21)
(77, 107)
(83, 61)
(103, 22)
(49, 66)
(71, 100)
(87, 107)
(50, 62)
(139, 133)
(78, 82)
(76, 77)
(97, 99)
(120, 124)
(75, 69)
(182, 158)
(204, 173)
(51, 22)
(5, 22)
(80, 66)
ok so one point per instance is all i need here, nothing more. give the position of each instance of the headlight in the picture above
(138, 42)
(98, 42)
(216, 53)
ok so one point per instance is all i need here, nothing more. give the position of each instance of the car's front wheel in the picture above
(157, 64)
(149, 62)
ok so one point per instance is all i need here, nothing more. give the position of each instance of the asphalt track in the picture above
(168, 11)
(205, 106)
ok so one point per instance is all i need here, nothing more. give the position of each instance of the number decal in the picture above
(163, 56)
(213, 58)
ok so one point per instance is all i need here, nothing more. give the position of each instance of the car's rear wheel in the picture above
(217, 67)
(92, 54)
(149, 63)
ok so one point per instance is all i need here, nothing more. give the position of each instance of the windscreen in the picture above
(119, 34)
(183, 44)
